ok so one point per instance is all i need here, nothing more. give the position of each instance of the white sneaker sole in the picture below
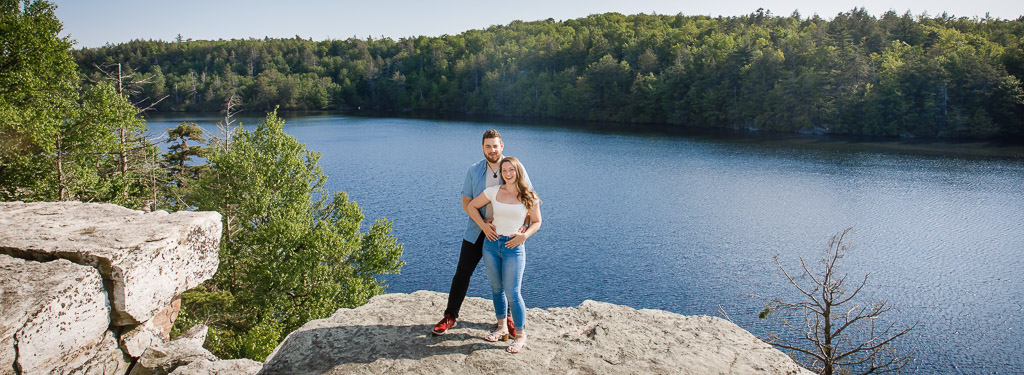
(445, 331)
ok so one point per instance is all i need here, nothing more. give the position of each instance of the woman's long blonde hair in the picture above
(526, 195)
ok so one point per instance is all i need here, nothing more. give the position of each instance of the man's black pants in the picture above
(469, 258)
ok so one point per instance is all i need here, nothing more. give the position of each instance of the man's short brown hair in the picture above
(492, 133)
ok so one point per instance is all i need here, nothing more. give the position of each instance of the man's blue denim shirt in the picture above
(476, 182)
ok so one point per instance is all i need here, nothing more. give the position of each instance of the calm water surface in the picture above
(690, 224)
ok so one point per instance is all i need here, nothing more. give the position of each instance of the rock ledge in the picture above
(391, 334)
(86, 288)
(148, 258)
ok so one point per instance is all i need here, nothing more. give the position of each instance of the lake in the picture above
(690, 223)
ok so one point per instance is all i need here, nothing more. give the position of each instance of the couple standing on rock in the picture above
(503, 212)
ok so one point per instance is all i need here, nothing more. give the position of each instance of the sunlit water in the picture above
(690, 224)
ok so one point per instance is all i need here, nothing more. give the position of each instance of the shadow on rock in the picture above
(319, 350)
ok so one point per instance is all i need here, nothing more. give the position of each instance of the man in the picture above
(481, 175)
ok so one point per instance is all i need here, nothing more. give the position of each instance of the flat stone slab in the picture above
(391, 334)
(225, 367)
(146, 259)
(53, 316)
(164, 358)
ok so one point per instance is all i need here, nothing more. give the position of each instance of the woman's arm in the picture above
(473, 210)
(519, 239)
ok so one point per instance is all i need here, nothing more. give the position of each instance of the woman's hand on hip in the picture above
(516, 240)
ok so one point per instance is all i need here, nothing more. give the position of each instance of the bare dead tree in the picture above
(129, 86)
(226, 127)
(134, 150)
(834, 331)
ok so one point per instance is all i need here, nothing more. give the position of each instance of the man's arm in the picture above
(465, 203)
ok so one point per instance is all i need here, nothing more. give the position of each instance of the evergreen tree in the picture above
(962, 76)
(179, 163)
(291, 250)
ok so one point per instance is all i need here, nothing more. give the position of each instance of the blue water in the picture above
(690, 223)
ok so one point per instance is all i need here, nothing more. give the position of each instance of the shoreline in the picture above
(982, 148)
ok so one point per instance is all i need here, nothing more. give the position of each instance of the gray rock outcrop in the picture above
(185, 355)
(148, 258)
(155, 331)
(163, 358)
(391, 334)
(51, 315)
(225, 367)
(105, 358)
(85, 288)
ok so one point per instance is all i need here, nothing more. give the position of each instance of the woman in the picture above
(504, 252)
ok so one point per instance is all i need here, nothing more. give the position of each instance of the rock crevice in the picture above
(75, 276)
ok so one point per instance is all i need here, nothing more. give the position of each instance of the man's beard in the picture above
(495, 160)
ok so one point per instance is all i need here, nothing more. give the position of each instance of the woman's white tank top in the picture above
(508, 218)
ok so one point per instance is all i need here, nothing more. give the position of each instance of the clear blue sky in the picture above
(95, 23)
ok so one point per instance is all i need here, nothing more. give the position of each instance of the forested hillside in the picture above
(291, 250)
(853, 73)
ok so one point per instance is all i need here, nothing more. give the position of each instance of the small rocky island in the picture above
(91, 288)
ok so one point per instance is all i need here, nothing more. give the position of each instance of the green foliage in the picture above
(59, 141)
(84, 157)
(291, 251)
(38, 92)
(895, 75)
(180, 154)
(107, 134)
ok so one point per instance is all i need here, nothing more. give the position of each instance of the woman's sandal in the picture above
(517, 345)
(497, 336)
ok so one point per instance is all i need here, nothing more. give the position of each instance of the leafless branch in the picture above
(724, 314)
(826, 318)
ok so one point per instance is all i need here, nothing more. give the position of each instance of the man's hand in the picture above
(489, 223)
(489, 232)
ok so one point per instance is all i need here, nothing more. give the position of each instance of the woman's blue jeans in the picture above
(505, 268)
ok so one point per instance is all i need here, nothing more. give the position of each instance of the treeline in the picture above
(894, 75)
(291, 250)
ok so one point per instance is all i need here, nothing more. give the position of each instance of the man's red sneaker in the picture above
(441, 327)
(511, 328)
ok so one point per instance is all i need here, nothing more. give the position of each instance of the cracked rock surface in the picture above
(147, 259)
(52, 315)
(86, 287)
(391, 334)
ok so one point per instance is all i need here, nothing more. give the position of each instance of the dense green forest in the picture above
(291, 250)
(894, 75)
